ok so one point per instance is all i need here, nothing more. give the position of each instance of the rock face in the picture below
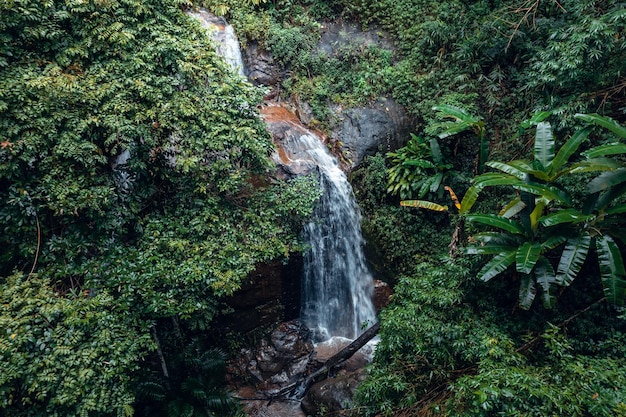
(382, 295)
(260, 66)
(362, 130)
(331, 396)
(276, 362)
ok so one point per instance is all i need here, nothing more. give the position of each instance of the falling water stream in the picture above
(337, 286)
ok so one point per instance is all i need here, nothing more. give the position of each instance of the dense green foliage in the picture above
(133, 190)
(134, 194)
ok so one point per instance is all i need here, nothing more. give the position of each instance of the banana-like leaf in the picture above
(546, 279)
(564, 216)
(567, 150)
(609, 196)
(607, 180)
(497, 238)
(544, 145)
(572, 259)
(605, 150)
(546, 191)
(605, 122)
(423, 204)
(491, 249)
(611, 270)
(496, 265)
(552, 242)
(497, 221)
(470, 197)
(595, 165)
(512, 208)
(517, 172)
(493, 178)
(454, 129)
(527, 292)
(526, 257)
(455, 112)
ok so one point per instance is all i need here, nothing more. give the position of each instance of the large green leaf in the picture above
(546, 279)
(604, 150)
(454, 128)
(496, 265)
(552, 242)
(496, 221)
(544, 145)
(538, 117)
(620, 208)
(564, 216)
(526, 257)
(608, 197)
(497, 238)
(595, 165)
(518, 172)
(470, 197)
(607, 180)
(611, 270)
(567, 150)
(527, 292)
(455, 112)
(572, 259)
(494, 178)
(424, 204)
(490, 249)
(512, 208)
(546, 191)
(605, 122)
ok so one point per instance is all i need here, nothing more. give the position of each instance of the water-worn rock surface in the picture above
(359, 131)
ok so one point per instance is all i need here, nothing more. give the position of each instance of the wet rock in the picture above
(332, 395)
(260, 66)
(382, 295)
(278, 361)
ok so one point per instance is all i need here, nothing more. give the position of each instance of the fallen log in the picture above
(300, 387)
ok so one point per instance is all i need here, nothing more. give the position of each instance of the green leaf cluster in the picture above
(135, 187)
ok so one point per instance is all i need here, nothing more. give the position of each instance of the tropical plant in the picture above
(463, 121)
(543, 216)
(418, 169)
(547, 217)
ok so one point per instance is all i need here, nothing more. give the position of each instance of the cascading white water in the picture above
(337, 286)
(227, 44)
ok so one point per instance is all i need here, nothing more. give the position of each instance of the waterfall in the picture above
(226, 42)
(337, 286)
